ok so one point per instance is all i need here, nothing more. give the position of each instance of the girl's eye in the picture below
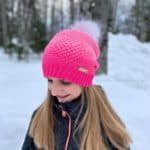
(50, 81)
(65, 82)
(61, 82)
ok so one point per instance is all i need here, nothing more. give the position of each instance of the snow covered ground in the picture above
(22, 89)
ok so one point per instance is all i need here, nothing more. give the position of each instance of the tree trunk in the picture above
(113, 15)
(72, 11)
(45, 14)
(141, 34)
(61, 15)
(53, 21)
(4, 23)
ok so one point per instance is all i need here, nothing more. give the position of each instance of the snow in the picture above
(127, 85)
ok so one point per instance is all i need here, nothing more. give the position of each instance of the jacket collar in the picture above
(71, 107)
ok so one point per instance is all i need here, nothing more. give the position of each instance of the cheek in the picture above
(49, 86)
(75, 91)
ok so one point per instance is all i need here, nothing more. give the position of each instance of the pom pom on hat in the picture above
(90, 27)
(71, 55)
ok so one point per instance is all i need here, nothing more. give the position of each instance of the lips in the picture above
(63, 96)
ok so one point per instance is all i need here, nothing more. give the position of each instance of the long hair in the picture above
(99, 119)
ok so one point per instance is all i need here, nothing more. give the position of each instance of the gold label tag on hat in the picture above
(82, 69)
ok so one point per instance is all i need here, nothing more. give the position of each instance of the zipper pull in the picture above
(64, 113)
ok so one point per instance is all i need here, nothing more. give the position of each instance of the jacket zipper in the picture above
(65, 114)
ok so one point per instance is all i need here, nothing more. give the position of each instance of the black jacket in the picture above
(61, 127)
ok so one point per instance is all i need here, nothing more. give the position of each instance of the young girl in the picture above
(76, 115)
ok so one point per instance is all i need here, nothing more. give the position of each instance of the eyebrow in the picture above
(59, 80)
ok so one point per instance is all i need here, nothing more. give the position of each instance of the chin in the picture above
(64, 100)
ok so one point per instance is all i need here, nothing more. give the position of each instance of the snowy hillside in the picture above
(22, 89)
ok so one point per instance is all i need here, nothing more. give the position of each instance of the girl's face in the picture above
(63, 90)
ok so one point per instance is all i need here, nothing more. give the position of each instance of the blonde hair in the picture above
(99, 119)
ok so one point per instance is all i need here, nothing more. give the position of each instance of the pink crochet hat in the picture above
(72, 56)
